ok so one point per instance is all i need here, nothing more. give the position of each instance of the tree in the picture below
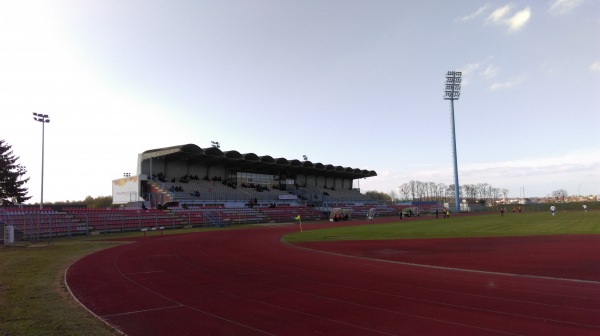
(12, 186)
(100, 202)
(378, 196)
(560, 195)
(393, 196)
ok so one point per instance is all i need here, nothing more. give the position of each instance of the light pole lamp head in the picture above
(44, 118)
(453, 80)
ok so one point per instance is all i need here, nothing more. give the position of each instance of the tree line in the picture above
(418, 191)
(440, 192)
(100, 202)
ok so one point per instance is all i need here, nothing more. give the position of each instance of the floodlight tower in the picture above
(452, 93)
(43, 118)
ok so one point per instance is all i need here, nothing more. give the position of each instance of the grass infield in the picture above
(35, 301)
(491, 225)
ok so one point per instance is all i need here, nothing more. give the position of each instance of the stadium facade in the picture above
(188, 174)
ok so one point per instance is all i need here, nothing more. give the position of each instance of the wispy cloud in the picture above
(473, 15)
(518, 20)
(498, 14)
(490, 71)
(562, 7)
(502, 17)
(595, 67)
(467, 71)
(469, 68)
(508, 84)
(475, 70)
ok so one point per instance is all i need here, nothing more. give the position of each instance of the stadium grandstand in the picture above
(189, 186)
(191, 175)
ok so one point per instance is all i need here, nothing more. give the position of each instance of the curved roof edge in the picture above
(193, 151)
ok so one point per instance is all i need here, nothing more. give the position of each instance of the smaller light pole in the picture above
(43, 118)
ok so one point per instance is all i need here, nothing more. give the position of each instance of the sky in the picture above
(355, 83)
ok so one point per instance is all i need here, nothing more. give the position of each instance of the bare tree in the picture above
(560, 194)
(404, 189)
(393, 196)
(440, 192)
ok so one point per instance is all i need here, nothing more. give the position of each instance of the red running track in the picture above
(248, 282)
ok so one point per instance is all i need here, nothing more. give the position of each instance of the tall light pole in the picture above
(43, 118)
(452, 93)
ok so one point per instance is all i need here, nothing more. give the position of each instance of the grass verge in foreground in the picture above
(492, 225)
(33, 297)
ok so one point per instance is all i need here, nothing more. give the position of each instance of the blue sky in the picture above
(344, 82)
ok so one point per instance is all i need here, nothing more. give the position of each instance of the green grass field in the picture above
(33, 297)
(35, 301)
(525, 224)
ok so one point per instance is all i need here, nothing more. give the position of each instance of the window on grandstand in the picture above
(251, 178)
(259, 179)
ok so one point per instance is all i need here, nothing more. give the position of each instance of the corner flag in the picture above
(299, 221)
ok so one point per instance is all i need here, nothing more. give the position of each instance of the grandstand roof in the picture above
(251, 162)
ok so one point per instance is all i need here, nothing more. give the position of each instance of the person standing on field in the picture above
(552, 209)
(585, 208)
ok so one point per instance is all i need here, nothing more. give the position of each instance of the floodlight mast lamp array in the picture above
(44, 119)
(452, 93)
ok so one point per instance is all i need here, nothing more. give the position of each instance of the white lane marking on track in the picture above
(115, 264)
(414, 299)
(148, 272)
(142, 311)
(346, 302)
(451, 268)
(421, 300)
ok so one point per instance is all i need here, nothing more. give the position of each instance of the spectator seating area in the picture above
(197, 191)
(33, 224)
(106, 220)
(215, 192)
(288, 213)
(219, 216)
(331, 196)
